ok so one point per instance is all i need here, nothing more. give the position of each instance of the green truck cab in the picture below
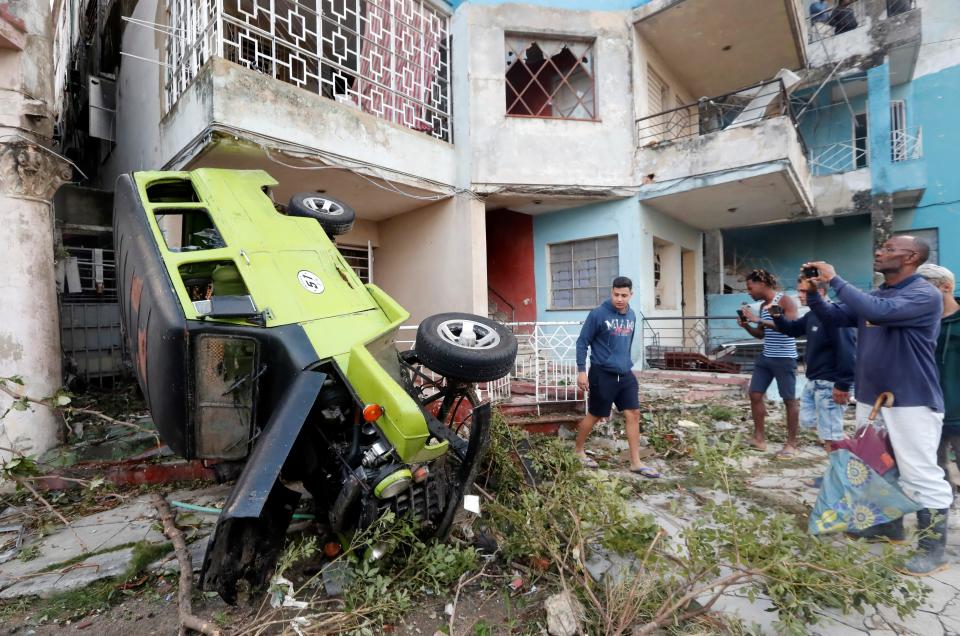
(260, 351)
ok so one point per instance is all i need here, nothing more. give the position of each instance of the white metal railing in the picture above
(389, 58)
(842, 156)
(836, 21)
(906, 144)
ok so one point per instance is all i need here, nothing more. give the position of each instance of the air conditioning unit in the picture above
(102, 108)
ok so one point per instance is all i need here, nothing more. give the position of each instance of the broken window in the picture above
(550, 78)
(581, 272)
(188, 230)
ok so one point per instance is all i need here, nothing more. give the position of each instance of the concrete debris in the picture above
(687, 424)
(564, 614)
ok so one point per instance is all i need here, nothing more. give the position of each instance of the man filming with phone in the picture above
(897, 327)
(777, 361)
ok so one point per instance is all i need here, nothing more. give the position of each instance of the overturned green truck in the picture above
(260, 351)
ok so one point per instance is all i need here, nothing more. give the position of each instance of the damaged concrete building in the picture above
(511, 158)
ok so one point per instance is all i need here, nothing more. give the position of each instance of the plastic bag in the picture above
(855, 497)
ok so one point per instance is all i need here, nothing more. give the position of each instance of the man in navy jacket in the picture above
(829, 361)
(897, 328)
(608, 333)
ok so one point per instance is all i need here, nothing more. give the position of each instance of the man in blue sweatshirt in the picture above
(897, 327)
(829, 358)
(608, 332)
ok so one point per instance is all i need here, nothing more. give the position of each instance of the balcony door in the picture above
(860, 155)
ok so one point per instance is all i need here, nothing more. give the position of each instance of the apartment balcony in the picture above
(361, 82)
(728, 161)
(842, 182)
(715, 47)
(863, 28)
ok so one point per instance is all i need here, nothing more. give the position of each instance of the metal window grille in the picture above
(906, 144)
(834, 20)
(550, 78)
(581, 272)
(87, 275)
(389, 58)
(359, 259)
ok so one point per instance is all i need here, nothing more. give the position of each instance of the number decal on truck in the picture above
(310, 281)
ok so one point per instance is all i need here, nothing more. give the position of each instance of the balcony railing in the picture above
(842, 156)
(389, 58)
(836, 20)
(906, 144)
(746, 106)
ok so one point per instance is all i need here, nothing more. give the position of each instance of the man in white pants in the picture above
(897, 327)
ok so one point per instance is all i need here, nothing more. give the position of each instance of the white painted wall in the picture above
(435, 259)
(139, 98)
(655, 225)
(526, 150)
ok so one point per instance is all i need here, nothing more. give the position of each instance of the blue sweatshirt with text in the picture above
(897, 328)
(609, 335)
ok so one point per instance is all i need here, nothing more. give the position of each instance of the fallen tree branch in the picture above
(71, 410)
(188, 620)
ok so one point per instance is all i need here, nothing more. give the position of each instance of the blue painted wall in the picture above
(603, 219)
(783, 248)
(936, 103)
(584, 5)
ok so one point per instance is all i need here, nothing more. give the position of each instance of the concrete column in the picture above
(881, 218)
(878, 105)
(713, 261)
(29, 176)
(30, 327)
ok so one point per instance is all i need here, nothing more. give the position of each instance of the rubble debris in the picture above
(564, 614)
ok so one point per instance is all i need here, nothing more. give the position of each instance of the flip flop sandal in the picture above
(816, 482)
(785, 454)
(588, 462)
(645, 471)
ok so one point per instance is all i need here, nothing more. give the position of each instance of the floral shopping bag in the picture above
(854, 497)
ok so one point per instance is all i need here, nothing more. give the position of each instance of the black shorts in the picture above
(783, 370)
(607, 387)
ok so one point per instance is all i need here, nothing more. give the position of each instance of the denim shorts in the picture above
(608, 388)
(818, 410)
(783, 370)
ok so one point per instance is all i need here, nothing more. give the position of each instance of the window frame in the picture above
(573, 288)
(920, 232)
(536, 38)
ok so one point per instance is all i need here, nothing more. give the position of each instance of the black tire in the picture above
(438, 352)
(333, 215)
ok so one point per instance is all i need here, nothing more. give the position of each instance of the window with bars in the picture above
(931, 236)
(550, 78)
(358, 258)
(581, 272)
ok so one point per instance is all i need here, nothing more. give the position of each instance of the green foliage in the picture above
(573, 513)
(537, 521)
(29, 553)
(410, 566)
(719, 412)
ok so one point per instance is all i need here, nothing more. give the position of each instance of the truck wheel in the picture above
(334, 216)
(466, 347)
